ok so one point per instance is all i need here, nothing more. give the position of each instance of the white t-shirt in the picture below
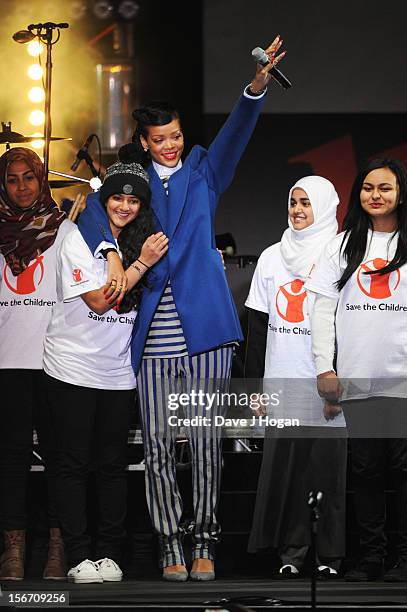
(26, 302)
(81, 347)
(371, 318)
(276, 291)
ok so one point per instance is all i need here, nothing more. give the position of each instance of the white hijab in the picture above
(300, 249)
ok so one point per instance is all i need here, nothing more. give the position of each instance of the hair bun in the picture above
(138, 114)
(155, 113)
(129, 153)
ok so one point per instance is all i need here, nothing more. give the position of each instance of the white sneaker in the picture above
(109, 570)
(288, 571)
(87, 571)
(326, 573)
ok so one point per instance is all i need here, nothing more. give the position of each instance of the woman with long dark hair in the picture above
(361, 286)
(90, 383)
(187, 320)
(31, 229)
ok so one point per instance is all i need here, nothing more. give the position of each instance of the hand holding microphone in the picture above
(266, 66)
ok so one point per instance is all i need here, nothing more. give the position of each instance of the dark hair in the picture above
(154, 113)
(357, 222)
(131, 239)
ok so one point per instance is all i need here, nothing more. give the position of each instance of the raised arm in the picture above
(228, 146)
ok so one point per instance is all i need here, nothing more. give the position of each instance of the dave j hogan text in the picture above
(221, 421)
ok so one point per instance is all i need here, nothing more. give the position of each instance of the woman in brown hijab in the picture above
(31, 228)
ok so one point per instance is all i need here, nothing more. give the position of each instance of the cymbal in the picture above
(52, 138)
(59, 184)
(9, 136)
(16, 138)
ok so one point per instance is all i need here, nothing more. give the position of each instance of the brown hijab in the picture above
(26, 233)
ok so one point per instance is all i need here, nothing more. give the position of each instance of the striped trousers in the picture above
(160, 383)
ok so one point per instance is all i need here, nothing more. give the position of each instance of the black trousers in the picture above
(290, 469)
(375, 453)
(91, 428)
(22, 406)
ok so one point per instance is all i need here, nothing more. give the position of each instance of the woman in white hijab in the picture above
(310, 455)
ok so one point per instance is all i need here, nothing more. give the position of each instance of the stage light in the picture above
(36, 94)
(77, 9)
(36, 117)
(128, 9)
(34, 48)
(35, 72)
(103, 9)
(115, 84)
(37, 144)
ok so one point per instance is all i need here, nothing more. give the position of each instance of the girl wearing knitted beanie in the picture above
(90, 382)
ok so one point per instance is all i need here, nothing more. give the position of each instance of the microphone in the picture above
(23, 36)
(83, 151)
(49, 25)
(260, 56)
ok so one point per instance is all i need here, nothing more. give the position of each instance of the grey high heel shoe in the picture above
(202, 576)
(177, 576)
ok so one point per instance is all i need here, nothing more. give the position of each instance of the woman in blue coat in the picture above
(187, 321)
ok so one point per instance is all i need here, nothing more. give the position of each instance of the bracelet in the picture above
(139, 270)
(143, 264)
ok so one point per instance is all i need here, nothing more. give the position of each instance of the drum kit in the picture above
(9, 137)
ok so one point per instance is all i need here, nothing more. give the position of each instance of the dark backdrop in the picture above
(347, 62)
(343, 55)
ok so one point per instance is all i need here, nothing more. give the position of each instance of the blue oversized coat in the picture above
(201, 293)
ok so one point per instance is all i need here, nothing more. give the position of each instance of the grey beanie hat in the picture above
(129, 179)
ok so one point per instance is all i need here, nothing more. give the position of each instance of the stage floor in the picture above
(157, 594)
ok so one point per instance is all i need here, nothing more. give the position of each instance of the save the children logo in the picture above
(290, 301)
(377, 286)
(29, 280)
(77, 275)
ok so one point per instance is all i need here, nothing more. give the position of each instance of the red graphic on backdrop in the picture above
(377, 286)
(77, 275)
(336, 160)
(28, 281)
(290, 301)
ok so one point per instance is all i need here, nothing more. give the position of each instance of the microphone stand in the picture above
(48, 76)
(313, 504)
(44, 31)
(88, 160)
